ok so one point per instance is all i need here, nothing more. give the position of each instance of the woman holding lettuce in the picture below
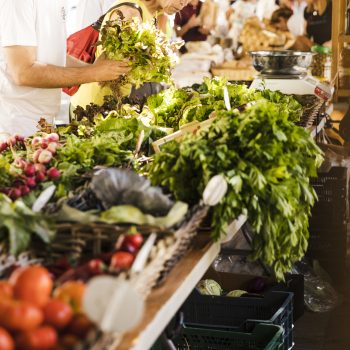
(145, 11)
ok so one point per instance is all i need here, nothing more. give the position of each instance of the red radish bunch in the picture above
(12, 141)
(30, 173)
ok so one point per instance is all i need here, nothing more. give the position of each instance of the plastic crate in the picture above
(331, 209)
(263, 337)
(220, 311)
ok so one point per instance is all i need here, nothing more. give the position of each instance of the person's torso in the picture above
(93, 92)
(89, 11)
(19, 101)
(319, 27)
(185, 14)
(296, 21)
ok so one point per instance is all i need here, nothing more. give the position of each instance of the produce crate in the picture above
(222, 312)
(293, 283)
(263, 337)
(331, 209)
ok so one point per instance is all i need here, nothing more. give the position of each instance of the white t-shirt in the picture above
(296, 24)
(265, 8)
(39, 23)
(89, 11)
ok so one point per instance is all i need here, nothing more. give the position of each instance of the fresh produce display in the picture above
(267, 161)
(143, 45)
(173, 108)
(109, 184)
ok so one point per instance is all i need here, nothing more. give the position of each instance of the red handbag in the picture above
(82, 44)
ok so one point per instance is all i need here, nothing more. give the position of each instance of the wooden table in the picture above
(164, 301)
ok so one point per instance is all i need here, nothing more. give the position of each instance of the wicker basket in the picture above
(76, 242)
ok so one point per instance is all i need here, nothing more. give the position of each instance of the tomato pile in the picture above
(111, 263)
(34, 316)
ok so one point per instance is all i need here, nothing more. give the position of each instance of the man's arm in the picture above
(25, 71)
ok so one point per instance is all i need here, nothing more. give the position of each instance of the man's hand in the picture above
(107, 70)
(26, 71)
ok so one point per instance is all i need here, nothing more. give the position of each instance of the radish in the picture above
(52, 147)
(53, 173)
(36, 142)
(24, 190)
(40, 176)
(45, 157)
(44, 143)
(30, 181)
(20, 163)
(3, 146)
(29, 169)
(19, 138)
(15, 193)
(36, 155)
(53, 137)
(40, 168)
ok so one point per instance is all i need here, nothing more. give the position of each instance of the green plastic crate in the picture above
(263, 337)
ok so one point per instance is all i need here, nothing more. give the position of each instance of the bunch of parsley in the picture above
(267, 161)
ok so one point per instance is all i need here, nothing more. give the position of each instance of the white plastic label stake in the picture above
(215, 190)
(227, 99)
(113, 304)
(43, 199)
(143, 254)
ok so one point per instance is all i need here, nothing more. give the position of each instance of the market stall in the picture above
(114, 218)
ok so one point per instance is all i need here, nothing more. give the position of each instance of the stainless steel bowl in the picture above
(281, 62)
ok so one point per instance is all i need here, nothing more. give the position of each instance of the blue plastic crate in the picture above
(241, 313)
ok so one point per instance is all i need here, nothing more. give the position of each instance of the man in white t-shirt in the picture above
(89, 11)
(33, 60)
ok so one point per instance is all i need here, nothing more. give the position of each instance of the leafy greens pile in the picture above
(146, 48)
(175, 107)
(267, 161)
(18, 225)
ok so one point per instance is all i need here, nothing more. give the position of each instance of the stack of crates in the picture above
(328, 223)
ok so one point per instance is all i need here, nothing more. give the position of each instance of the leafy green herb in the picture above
(146, 48)
(18, 225)
(267, 161)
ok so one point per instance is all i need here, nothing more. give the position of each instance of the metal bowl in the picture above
(281, 62)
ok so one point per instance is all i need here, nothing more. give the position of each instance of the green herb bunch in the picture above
(146, 48)
(267, 161)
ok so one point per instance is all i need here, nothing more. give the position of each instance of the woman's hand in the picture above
(107, 70)
(194, 21)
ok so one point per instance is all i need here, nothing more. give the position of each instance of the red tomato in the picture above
(43, 338)
(6, 341)
(121, 260)
(57, 313)
(21, 316)
(33, 284)
(134, 240)
(80, 326)
(71, 293)
(6, 290)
